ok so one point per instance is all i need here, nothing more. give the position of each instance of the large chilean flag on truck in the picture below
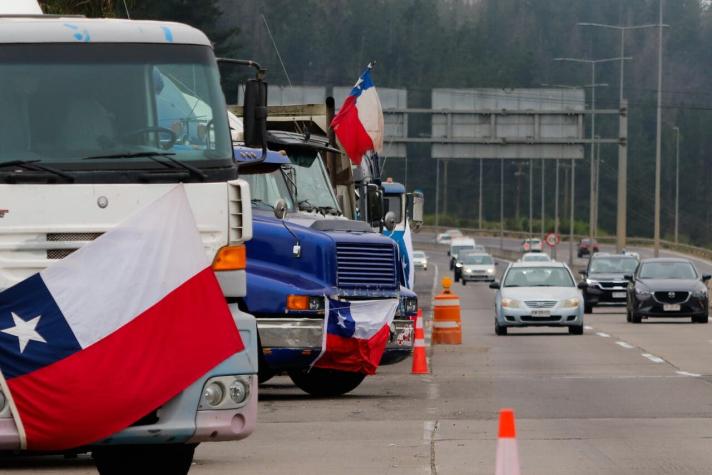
(103, 337)
(359, 123)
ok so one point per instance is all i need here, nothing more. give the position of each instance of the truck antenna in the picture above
(128, 15)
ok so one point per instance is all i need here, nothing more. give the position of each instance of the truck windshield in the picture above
(313, 186)
(62, 103)
(267, 188)
(394, 203)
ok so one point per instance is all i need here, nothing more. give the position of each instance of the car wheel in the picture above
(499, 330)
(576, 330)
(464, 282)
(635, 318)
(627, 316)
(701, 319)
(587, 308)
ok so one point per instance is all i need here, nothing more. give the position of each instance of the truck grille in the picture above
(366, 265)
(62, 253)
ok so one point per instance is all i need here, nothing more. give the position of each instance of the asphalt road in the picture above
(620, 399)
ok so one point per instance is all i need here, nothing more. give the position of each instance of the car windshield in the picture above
(613, 265)
(536, 258)
(538, 277)
(667, 270)
(478, 260)
(267, 188)
(456, 249)
(313, 185)
(63, 103)
(419, 254)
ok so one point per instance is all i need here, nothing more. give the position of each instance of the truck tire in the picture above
(170, 459)
(326, 382)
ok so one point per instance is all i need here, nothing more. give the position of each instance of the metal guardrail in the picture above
(701, 252)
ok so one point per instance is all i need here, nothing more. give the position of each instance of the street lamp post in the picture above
(621, 230)
(593, 63)
(677, 181)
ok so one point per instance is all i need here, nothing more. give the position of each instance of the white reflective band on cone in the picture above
(419, 322)
(419, 343)
(446, 324)
(507, 457)
(447, 303)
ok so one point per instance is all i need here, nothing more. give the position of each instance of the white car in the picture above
(532, 245)
(538, 294)
(459, 245)
(420, 260)
(448, 236)
(476, 267)
(535, 257)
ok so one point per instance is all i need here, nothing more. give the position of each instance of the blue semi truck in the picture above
(303, 249)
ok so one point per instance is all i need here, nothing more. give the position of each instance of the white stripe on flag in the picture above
(370, 114)
(105, 284)
(371, 316)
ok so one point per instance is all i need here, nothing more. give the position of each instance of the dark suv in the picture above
(605, 279)
(667, 287)
(587, 247)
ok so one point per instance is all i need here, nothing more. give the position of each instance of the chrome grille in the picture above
(67, 237)
(540, 303)
(370, 266)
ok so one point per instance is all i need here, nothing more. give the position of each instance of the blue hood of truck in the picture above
(347, 263)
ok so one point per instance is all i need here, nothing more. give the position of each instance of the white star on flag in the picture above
(342, 320)
(24, 331)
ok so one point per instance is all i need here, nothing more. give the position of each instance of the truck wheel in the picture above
(170, 459)
(326, 382)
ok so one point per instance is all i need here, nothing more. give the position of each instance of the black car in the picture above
(667, 287)
(605, 279)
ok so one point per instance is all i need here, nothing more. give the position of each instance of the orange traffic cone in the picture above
(507, 452)
(420, 362)
(447, 326)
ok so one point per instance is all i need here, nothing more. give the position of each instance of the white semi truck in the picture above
(100, 117)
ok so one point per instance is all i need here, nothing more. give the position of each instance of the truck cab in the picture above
(302, 250)
(102, 117)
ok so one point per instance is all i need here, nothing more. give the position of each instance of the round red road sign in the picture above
(552, 239)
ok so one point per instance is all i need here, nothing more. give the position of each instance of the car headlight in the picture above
(213, 394)
(511, 303)
(591, 282)
(642, 292)
(570, 303)
(700, 294)
(490, 270)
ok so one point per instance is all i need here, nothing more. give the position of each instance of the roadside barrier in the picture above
(420, 361)
(447, 326)
(507, 451)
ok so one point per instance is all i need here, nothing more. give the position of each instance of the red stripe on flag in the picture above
(350, 131)
(116, 381)
(354, 354)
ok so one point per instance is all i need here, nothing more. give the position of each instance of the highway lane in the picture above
(590, 404)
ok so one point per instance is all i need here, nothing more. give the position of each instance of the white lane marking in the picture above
(625, 345)
(653, 358)
(603, 335)
(685, 373)
(586, 327)
(621, 376)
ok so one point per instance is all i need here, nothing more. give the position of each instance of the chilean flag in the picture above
(355, 334)
(103, 337)
(359, 123)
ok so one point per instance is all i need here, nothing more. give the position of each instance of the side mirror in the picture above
(628, 277)
(374, 203)
(280, 209)
(706, 277)
(255, 119)
(494, 285)
(584, 273)
(390, 221)
(416, 202)
(582, 285)
(496, 263)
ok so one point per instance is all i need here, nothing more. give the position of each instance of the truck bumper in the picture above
(295, 342)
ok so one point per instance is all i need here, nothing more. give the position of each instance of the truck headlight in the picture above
(213, 394)
(511, 303)
(305, 302)
(239, 391)
(570, 303)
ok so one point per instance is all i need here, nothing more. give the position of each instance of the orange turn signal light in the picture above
(297, 302)
(230, 258)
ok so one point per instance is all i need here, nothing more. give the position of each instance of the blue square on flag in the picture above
(340, 320)
(33, 331)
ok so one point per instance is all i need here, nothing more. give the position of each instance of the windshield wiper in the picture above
(305, 205)
(35, 166)
(330, 210)
(261, 202)
(156, 157)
